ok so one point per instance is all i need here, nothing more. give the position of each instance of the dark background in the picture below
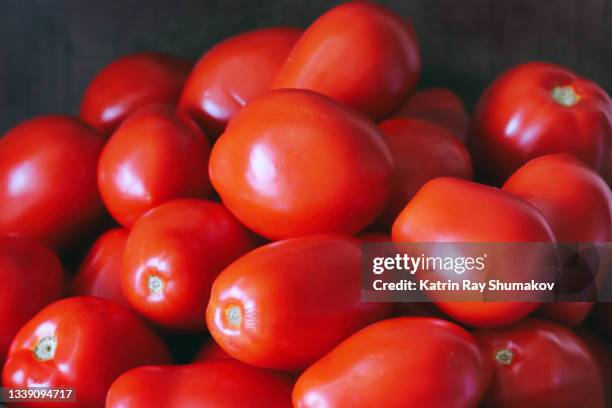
(49, 49)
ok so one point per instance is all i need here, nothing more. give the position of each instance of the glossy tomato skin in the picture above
(454, 210)
(83, 343)
(219, 85)
(540, 364)
(536, 109)
(100, 272)
(130, 83)
(219, 384)
(294, 162)
(403, 362)
(172, 256)
(32, 277)
(48, 186)
(211, 351)
(421, 151)
(158, 154)
(286, 304)
(358, 53)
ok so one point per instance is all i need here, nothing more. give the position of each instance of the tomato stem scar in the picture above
(233, 314)
(45, 348)
(565, 96)
(504, 356)
(156, 284)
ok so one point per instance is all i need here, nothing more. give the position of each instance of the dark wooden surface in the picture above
(49, 49)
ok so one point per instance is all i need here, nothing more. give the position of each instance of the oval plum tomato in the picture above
(172, 256)
(156, 155)
(211, 351)
(234, 72)
(536, 109)
(538, 364)
(130, 83)
(421, 151)
(404, 362)
(83, 343)
(454, 210)
(570, 314)
(221, 384)
(48, 186)
(358, 53)
(286, 304)
(100, 273)
(294, 162)
(32, 277)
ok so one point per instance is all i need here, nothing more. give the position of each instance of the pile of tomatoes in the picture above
(232, 198)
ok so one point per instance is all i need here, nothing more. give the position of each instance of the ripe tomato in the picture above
(155, 156)
(358, 53)
(220, 384)
(130, 83)
(540, 364)
(211, 351)
(234, 72)
(570, 314)
(172, 256)
(455, 210)
(421, 151)
(294, 162)
(536, 109)
(48, 180)
(99, 274)
(403, 362)
(83, 343)
(32, 277)
(286, 304)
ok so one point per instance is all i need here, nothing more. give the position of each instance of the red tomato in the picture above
(48, 180)
(294, 162)
(286, 304)
(536, 109)
(602, 353)
(234, 72)
(403, 362)
(358, 53)
(99, 274)
(31, 277)
(540, 364)
(421, 151)
(211, 351)
(569, 314)
(155, 156)
(83, 343)
(454, 210)
(130, 83)
(172, 256)
(219, 384)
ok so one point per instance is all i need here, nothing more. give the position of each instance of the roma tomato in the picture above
(358, 53)
(540, 364)
(130, 83)
(48, 186)
(172, 256)
(211, 351)
(421, 151)
(234, 72)
(219, 384)
(294, 162)
(536, 109)
(286, 304)
(100, 273)
(404, 362)
(83, 343)
(454, 210)
(32, 277)
(156, 155)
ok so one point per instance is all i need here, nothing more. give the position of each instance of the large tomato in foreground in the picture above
(286, 304)
(294, 162)
(404, 362)
(536, 109)
(219, 384)
(538, 364)
(234, 72)
(130, 83)
(48, 186)
(358, 53)
(83, 343)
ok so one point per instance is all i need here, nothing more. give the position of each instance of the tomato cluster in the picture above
(241, 189)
